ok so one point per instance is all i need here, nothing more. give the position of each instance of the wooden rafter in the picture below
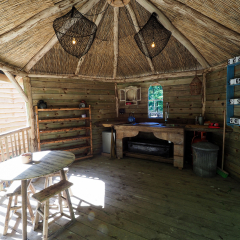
(175, 32)
(140, 78)
(98, 20)
(16, 85)
(115, 41)
(201, 19)
(137, 28)
(30, 23)
(84, 9)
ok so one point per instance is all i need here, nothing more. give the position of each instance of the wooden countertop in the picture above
(202, 128)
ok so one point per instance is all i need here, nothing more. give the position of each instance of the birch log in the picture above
(115, 41)
(137, 28)
(98, 20)
(28, 90)
(175, 32)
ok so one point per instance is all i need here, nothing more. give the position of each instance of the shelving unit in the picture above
(230, 93)
(87, 128)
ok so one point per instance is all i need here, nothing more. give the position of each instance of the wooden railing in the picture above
(14, 143)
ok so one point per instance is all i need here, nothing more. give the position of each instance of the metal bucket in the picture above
(205, 159)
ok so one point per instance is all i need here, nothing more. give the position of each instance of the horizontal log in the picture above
(63, 130)
(64, 140)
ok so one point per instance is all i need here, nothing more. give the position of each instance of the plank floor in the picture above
(137, 199)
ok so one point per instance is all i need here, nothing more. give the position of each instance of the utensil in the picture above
(26, 157)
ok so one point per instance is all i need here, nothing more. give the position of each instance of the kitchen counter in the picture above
(171, 132)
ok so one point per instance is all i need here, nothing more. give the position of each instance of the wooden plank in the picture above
(62, 109)
(62, 120)
(62, 129)
(64, 139)
(23, 142)
(6, 145)
(2, 152)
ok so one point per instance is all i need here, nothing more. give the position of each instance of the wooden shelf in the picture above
(62, 119)
(81, 144)
(62, 130)
(72, 148)
(66, 139)
(62, 109)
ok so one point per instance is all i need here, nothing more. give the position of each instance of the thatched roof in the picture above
(212, 27)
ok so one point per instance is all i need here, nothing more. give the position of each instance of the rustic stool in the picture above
(15, 190)
(43, 199)
(49, 182)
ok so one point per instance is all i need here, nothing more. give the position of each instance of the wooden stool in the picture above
(43, 199)
(15, 190)
(49, 182)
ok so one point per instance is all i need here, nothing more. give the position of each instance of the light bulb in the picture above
(153, 45)
(74, 41)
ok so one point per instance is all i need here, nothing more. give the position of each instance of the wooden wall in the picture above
(176, 91)
(68, 93)
(216, 103)
(12, 107)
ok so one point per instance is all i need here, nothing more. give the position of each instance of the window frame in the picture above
(155, 100)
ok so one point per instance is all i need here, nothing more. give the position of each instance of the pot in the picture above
(131, 118)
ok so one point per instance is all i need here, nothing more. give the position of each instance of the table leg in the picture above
(63, 177)
(24, 209)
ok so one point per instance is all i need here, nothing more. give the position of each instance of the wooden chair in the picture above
(43, 197)
(15, 190)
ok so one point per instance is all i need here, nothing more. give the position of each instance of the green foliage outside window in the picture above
(155, 102)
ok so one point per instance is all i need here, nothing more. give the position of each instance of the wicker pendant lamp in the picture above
(152, 38)
(75, 32)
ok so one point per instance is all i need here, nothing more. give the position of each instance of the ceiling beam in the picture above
(175, 32)
(115, 41)
(201, 19)
(137, 28)
(6, 67)
(97, 22)
(16, 85)
(31, 22)
(84, 9)
(141, 78)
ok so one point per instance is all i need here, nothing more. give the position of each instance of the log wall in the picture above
(215, 104)
(69, 93)
(176, 91)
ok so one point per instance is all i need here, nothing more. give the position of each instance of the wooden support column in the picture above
(117, 101)
(24, 209)
(16, 85)
(115, 41)
(84, 9)
(30, 113)
(204, 94)
(98, 20)
(137, 28)
(175, 32)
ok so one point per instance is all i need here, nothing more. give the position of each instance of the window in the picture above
(155, 101)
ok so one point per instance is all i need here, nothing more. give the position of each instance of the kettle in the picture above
(200, 120)
(131, 118)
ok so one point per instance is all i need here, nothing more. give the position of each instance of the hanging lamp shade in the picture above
(75, 32)
(152, 38)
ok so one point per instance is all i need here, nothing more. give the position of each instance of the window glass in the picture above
(155, 102)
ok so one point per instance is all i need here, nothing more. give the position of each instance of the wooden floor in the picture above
(138, 199)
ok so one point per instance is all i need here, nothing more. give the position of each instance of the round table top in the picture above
(43, 163)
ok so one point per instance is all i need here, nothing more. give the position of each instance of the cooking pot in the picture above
(131, 118)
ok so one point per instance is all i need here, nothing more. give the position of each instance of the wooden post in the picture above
(115, 41)
(90, 126)
(117, 101)
(30, 113)
(204, 94)
(37, 123)
(24, 209)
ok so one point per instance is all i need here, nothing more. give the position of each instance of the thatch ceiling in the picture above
(212, 27)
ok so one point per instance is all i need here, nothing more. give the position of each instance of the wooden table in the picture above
(44, 163)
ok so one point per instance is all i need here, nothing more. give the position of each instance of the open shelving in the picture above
(230, 93)
(87, 127)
